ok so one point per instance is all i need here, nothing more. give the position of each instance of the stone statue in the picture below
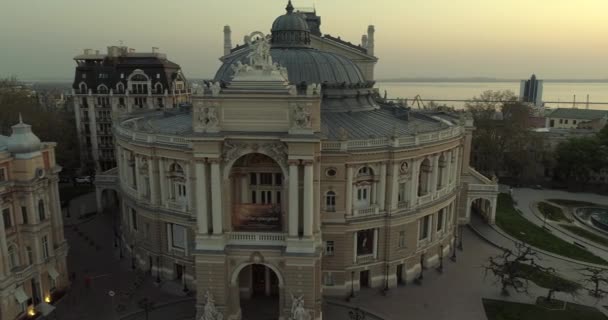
(316, 88)
(301, 117)
(297, 309)
(293, 91)
(210, 312)
(309, 89)
(215, 89)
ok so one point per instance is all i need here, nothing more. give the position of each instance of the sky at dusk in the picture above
(414, 38)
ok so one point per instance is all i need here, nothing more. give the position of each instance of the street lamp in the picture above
(147, 305)
(185, 290)
(385, 291)
(158, 269)
(352, 285)
(453, 257)
(133, 257)
(460, 238)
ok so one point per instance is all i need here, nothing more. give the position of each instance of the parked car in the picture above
(83, 179)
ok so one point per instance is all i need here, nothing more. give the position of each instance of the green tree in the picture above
(49, 126)
(578, 158)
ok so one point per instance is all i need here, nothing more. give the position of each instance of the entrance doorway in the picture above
(364, 279)
(400, 274)
(259, 288)
(179, 271)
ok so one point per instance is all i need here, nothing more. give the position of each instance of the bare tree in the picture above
(597, 277)
(507, 267)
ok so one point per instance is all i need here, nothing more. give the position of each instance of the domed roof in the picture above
(303, 65)
(290, 21)
(3, 142)
(23, 140)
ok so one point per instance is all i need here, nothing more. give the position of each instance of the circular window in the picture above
(39, 173)
(331, 172)
(404, 167)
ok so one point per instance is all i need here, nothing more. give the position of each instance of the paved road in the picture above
(528, 198)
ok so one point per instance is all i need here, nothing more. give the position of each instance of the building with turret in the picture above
(121, 81)
(33, 271)
(290, 180)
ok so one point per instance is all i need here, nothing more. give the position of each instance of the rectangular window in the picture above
(424, 227)
(45, 247)
(566, 121)
(52, 283)
(24, 215)
(253, 197)
(2, 174)
(6, 217)
(30, 255)
(440, 218)
(266, 179)
(329, 248)
(401, 239)
(253, 179)
(278, 197)
(401, 195)
(278, 179)
(365, 242)
(177, 236)
(134, 219)
(328, 279)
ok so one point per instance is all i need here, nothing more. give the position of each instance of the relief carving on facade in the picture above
(206, 116)
(234, 150)
(301, 116)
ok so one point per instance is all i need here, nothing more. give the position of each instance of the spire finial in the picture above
(289, 7)
(20, 118)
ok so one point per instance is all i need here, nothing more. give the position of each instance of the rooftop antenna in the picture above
(587, 105)
(574, 102)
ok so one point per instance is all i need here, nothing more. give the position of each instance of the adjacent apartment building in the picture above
(120, 81)
(33, 271)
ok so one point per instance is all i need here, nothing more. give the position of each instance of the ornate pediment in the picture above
(276, 150)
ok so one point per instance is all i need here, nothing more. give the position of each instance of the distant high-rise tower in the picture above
(227, 40)
(531, 91)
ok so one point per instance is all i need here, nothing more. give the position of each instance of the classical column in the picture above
(448, 169)
(201, 198)
(373, 193)
(375, 244)
(58, 221)
(308, 196)
(349, 190)
(152, 181)
(456, 164)
(293, 198)
(415, 170)
(216, 196)
(244, 188)
(395, 186)
(4, 268)
(137, 183)
(382, 187)
(434, 174)
(162, 177)
(355, 247)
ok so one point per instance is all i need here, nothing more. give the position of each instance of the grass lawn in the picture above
(519, 227)
(586, 234)
(69, 192)
(552, 212)
(572, 203)
(503, 310)
(547, 280)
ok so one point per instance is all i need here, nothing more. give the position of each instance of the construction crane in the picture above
(418, 102)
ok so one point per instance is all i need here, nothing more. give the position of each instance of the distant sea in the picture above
(453, 90)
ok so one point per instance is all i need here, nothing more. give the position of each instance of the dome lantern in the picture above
(23, 142)
(290, 30)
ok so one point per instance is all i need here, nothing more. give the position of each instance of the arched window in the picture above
(158, 88)
(41, 213)
(330, 201)
(102, 89)
(365, 171)
(13, 260)
(441, 178)
(120, 88)
(178, 183)
(138, 81)
(424, 177)
(83, 88)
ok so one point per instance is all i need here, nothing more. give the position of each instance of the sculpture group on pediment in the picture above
(215, 88)
(313, 89)
(302, 117)
(275, 150)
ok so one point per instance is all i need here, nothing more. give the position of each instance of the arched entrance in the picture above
(109, 200)
(484, 208)
(259, 288)
(258, 194)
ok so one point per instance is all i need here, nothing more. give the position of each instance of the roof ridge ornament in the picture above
(289, 7)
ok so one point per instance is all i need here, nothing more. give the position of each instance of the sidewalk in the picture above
(93, 256)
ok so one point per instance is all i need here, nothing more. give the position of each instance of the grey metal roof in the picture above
(583, 114)
(382, 122)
